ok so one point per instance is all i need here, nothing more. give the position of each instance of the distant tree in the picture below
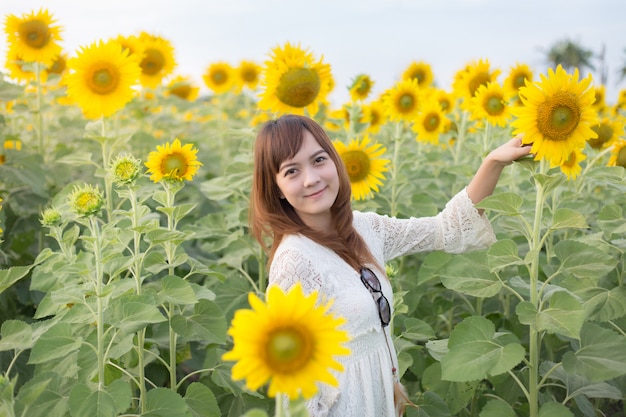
(621, 73)
(570, 55)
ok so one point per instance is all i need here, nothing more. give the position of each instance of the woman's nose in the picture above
(311, 177)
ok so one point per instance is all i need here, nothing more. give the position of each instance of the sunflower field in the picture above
(125, 255)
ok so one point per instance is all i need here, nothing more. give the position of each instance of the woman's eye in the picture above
(320, 159)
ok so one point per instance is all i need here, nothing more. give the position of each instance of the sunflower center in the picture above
(558, 116)
(182, 90)
(153, 62)
(298, 87)
(104, 79)
(481, 78)
(88, 202)
(431, 122)
(519, 80)
(570, 161)
(419, 75)
(219, 77)
(288, 350)
(494, 105)
(34, 33)
(249, 76)
(174, 166)
(357, 164)
(605, 133)
(406, 103)
(58, 66)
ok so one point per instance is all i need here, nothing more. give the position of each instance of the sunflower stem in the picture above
(94, 229)
(280, 406)
(397, 141)
(170, 250)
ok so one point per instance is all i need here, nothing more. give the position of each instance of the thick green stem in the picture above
(99, 286)
(170, 252)
(397, 141)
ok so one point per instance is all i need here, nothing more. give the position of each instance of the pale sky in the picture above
(376, 37)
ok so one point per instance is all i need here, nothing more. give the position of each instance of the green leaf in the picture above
(578, 384)
(207, 323)
(554, 409)
(503, 253)
(10, 276)
(176, 290)
(16, 335)
(417, 330)
(163, 402)
(497, 408)
(505, 203)
(475, 352)
(132, 313)
(601, 356)
(550, 182)
(57, 342)
(201, 401)
(611, 220)
(604, 305)
(565, 218)
(565, 315)
(455, 394)
(469, 274)
(583, 261)
(84, 402)
(76, 158)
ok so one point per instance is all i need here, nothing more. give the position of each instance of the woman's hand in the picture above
(510, 151)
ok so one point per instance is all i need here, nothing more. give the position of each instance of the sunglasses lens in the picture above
(384, 310)
(370, 279)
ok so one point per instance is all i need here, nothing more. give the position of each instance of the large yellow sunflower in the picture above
(402, 101)
(361, 87)
(364, 165)
(34, 36)
(489, 103)
(157, 59)
(101, 78)
(289, 341)
(219, 77)
(294, 81)
(173, 162)
(420, 71)
(374, 116)
(608, 130)
(430, 123)
(557, 116)
(618, 154)
(468, 80)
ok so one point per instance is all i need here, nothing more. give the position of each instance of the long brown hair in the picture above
(272, 218)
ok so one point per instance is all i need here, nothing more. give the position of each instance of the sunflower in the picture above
(58, 66)
(125, 169)
(173, 162)
(489, 103)
(289, 341)
(374, 116)
(445, 99)
(430, 123)
(157, 59)
(132, 43)
(34, 36)
(19, 69)
(516, 79)
(183, 88)
(420, 71)
(248, 75)
(364, 166)
(557, 116)
(402, 102)
(294, 81)
(608, 130)
(219, 77)
(468, 80)
(600, 98)
(618, 154)
(101, 78)
(86, 200)
(571, 166)
(361, 87)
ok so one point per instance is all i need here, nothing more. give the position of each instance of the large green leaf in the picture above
(497, 408)
(86, 403)
(554, 409)
(455, 394)
(16, 335)
(201, 401)
(207, 323)
(564, 315)
(604, 305)
(475, 351)
(469, 274)
(601, 356)
(10, 276)
(503, 253)
(564, 218)
(132, 313)
(578, 384)
(583, 260)
(176, 290)
(58, 341)
(163, 402)
(505, 203)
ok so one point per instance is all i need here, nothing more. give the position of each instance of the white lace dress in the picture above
(366, 384)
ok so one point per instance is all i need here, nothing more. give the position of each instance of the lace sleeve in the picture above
(292, 265)
(458, 228)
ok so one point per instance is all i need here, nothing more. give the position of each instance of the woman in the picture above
(301, 203)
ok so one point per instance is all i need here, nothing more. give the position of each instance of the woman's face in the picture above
(310, 183)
